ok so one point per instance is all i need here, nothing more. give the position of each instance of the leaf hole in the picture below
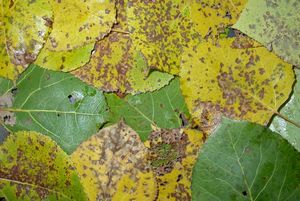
(72, 100)
(2, 199)
(244, 193)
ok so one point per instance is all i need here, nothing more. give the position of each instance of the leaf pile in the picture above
(149, 100)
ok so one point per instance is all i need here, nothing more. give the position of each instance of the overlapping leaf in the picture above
(248, 84)
(291, 110)
(117, 65)
(163, 108)
(274, 24)
(113, 166)
(245, 161)
(24, 27)
(58, 105)
(33, 167)
(173, 154)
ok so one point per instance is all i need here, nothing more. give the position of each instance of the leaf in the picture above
(78, 23)
(173, 154)
(249, 84)
(245, 161)
(291, 110)
(161, 30)
(275, 24)
(33, 167)
(113, 166)
(24, 28)
(116, 65)
(58, 105)
(212, 17)
(64, 60)
(161, 108)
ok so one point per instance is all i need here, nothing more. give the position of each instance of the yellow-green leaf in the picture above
(64, 60)
(81, 22)
(173, 154)
(33, 167)
(113, 166)
(249, 84)
(24, 27)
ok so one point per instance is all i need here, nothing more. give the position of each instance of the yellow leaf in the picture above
(249, 84)
(81, 22)
(113, 166)
(24, 27)
(173, 154)
(211, 17)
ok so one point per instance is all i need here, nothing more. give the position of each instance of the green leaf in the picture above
(33, 167)
(246, 161)
(275, 24)
(58, 105)
(161, 108)
(24, 28)
(292, 111)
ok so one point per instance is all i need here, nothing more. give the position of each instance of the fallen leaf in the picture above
(113, 166)
(162, 108)
(275, 24)
(117, 66)
(24, 28)
(58, 105)
(249, 84)
(173, 154)
(33, 167)
(246, 161)
(285, 127)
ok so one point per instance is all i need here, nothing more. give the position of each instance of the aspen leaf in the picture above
(55, 104)
(275, 24)
(246, 161)
(249, 84)
(173, 154)
(113, 166)
(33, 167)
(24, 28)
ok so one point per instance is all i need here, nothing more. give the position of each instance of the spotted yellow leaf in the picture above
(24, 28)
(116, 65)
(113, 166)
(173, 154)
(33, 167)
(249, 84)
(81, 22)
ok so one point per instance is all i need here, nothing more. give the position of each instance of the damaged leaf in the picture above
(291, 110)
(275, 24)
(113, 166)
(6, 100)
(172, 155)
(246, 161)
(78, 23)
(58, 105)
(24, 28)
(117, 66)
(33, 167)
(249, 84)
(163, 108)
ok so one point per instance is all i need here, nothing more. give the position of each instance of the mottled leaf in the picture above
(58, 105)
(292, 111)
(275, 24)
(33, 167)
(64, 60)
(117, 65)
(245, 161)
(78, 23)
(161, 30)
(24, 27)
(249, 84)
(113, 166)
(162, 108)
(172, 155)
(212, 17)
